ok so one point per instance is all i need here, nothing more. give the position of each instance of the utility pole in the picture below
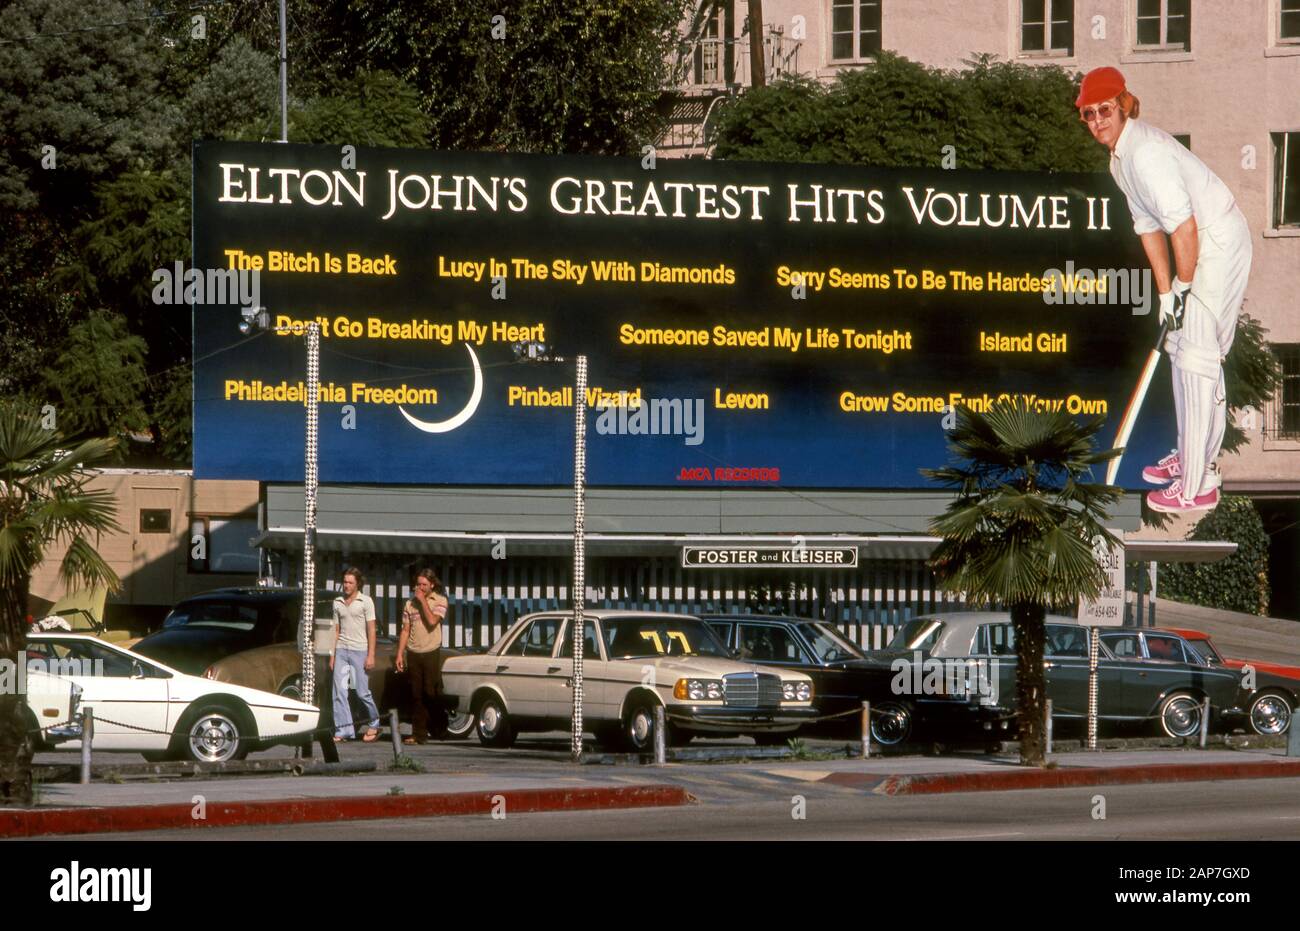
(539, 352)
(757, 62)
(284, 75)
(579, 548)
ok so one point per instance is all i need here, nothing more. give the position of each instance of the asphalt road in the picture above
(1266, 809)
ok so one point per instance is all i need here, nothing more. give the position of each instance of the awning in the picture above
(901, 546)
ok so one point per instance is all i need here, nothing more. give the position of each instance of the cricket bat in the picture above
(1135, 403)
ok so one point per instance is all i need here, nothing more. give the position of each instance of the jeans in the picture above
(350, 670)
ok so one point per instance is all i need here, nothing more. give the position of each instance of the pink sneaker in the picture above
(1166, 470)
(1169, 500)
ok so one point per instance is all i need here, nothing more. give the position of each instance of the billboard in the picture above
(746, 324)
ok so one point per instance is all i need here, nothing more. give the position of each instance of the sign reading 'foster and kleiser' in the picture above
(711, 557)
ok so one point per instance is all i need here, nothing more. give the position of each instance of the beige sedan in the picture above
(633, 663)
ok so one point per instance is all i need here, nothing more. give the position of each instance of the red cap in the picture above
(1100, 84)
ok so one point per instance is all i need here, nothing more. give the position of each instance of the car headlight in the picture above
(796, 691)
(698, 690)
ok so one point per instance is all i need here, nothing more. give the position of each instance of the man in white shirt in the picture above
(353, 657)
(1171, 193)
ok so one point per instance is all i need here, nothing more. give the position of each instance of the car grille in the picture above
(751, 690)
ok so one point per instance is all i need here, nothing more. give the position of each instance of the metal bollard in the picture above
(661, 739)
(87, 738)
(395, 727)
(1205, 721)
(866, 730)
(1049, 725)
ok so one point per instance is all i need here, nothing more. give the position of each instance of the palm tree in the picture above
(1021, 530)
(44, 503)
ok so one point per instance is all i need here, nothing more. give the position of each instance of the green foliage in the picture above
(236, 96)
(89, 93)
(580, 76)
(373, 109)
(1238, 583)
(898, 113)
(1251, 375)
(97, 378)
(44, 502)
(1021, 527)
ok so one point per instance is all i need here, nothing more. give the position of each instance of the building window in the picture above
(222, 544)
(1286, 179)
(709, 53)
(855, 29)
(1288, 27)
(1285, 417)
(1164, 24)
(155, 520)
(1047, 26)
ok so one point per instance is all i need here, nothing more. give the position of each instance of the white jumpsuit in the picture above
(1165, 184)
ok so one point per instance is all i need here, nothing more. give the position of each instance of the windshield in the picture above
(828, 645)
(921, 634)
(1204, 652)
(634, 637)
(225, 614)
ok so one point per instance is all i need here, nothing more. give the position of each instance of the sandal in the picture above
(371, 736)
(339, 740)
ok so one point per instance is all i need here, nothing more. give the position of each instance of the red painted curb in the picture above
(37, 822)
(936, 783)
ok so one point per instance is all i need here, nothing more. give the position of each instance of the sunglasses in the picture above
(1088, 114)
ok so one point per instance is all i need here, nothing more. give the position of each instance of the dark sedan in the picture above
(843, 677)
(209, 627)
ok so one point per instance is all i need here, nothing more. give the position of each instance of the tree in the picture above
(585, 76)
(97, 382)
(44, 502)
(900, 113)
(1021, 530)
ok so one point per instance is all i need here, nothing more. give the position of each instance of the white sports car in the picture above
(141, 705)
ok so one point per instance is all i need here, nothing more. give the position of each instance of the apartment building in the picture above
(1223, 75)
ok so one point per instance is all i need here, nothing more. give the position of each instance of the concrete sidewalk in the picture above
(505, 782)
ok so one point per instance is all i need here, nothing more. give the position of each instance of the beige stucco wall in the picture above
(154, 568)
(1235, 87)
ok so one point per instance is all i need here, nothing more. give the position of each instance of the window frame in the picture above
(857, 55)
(1164, 45)
(1284, 147)
(152, 532)
(1048, 50)
(1279, 11)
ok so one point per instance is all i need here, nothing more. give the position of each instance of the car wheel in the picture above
(34, 730)
(891, 723)
(639, 727)
(216, 734)
(494, 726)
(292, 688)
(1270, 713)
(460, 724)
(1180, 715)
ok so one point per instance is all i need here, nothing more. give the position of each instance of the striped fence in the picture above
(487, 596)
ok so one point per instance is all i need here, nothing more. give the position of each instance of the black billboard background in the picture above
(805, 435)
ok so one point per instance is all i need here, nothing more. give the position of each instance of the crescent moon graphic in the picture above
(451, 423)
